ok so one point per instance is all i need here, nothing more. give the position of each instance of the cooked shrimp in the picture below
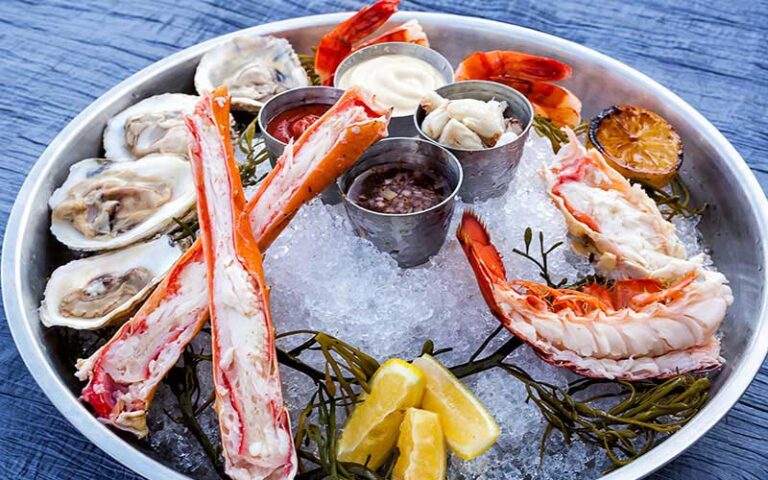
(124, 374)
(409, 32)
(615, 221)
(255, 429)
(632, 330)
(348, 36)
(532, 75)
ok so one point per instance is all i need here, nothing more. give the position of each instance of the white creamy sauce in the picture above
(398, 81)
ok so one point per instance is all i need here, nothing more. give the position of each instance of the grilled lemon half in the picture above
(638, 143)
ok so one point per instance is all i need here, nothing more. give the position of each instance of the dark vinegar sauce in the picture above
(398, 188)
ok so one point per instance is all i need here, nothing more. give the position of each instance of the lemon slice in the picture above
(371, 430)
(421, 447)
(468, 427)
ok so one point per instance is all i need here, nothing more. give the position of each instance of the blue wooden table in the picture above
(57, 56)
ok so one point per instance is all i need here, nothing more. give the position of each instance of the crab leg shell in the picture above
(299, 166)
(672, 334)
(125, 372)
(255, 430)
(613, 219)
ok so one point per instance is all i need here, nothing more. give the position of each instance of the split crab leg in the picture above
(124, 373)
(631, 330)
(531, 75)
(348, 36)
(613, 220)
(255, 428)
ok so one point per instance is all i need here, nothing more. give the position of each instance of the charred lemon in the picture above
(638, 143)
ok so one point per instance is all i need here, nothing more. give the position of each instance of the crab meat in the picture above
(615, 221)
(123, 375)
(255, 429)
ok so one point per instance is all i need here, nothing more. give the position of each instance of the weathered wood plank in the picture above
(58, 56)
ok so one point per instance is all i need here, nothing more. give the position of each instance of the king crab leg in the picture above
(123, 374)
(255, 427)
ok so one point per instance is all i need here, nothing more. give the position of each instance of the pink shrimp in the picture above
(348, 36)
(532, 75)
(632, 330)
(255, 428)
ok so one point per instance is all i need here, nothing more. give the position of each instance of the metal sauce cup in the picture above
(411, 238)
(487, 172)
(400, 126)
(287, 100)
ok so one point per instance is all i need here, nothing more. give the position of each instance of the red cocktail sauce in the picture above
(293, 122)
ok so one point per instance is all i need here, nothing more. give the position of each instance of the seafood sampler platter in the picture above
(536, 396)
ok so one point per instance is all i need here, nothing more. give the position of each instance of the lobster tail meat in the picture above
(627, 330)
(255, 430)
(123, 374)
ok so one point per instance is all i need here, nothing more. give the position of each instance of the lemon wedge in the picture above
(468, 427)
(421, 447)
(371, 431)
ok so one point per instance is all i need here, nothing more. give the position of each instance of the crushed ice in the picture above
(323, 277)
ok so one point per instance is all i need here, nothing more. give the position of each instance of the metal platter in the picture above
(734, 227)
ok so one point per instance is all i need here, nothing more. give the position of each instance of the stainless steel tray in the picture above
(734, 227)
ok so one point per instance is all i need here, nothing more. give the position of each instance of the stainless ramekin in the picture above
(285, 101)
(411, 238)
(400, 126)
(291, 99)
(487, 172)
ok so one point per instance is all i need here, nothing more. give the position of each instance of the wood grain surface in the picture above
(56, 57)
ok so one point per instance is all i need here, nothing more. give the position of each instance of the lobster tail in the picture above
(485, 260)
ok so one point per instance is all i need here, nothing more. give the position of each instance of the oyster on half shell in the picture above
(106, 205)
(254, 69)
(154, 125)
(98, 291)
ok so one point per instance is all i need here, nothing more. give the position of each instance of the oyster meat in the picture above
(154, 125)
(254, 69)
(98, 291)
(105, 205)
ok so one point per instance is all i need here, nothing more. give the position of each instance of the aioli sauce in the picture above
(398, 188)
(398, 81)
(294, 121)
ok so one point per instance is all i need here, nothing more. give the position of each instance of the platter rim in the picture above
(36, 360)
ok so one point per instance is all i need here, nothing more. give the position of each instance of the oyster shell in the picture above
(98, 291)
(154, 125)
(254, 69)
(105, 205)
